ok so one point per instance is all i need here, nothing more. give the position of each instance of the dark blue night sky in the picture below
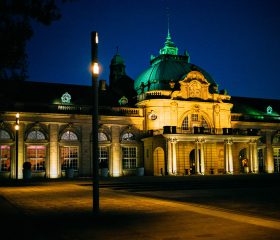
(236, 41)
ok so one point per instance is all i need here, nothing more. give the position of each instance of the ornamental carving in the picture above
(195, 75)
(195, 89)
(194, 85)
(196, 108)
(172, 140)
(217, 108)
(174, 104)
(66, 98)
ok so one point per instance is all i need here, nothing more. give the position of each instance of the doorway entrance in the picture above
(159, 164)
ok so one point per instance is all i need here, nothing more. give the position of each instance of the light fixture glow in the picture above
(17, 115)
(16, 127)
(96, 38)
(95, 68)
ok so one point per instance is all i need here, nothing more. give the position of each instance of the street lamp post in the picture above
(95, 157)
(17, 128)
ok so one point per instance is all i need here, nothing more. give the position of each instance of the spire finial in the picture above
(168, 15)
(117, 48)
(169, 46)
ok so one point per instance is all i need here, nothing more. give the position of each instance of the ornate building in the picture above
(172, 120)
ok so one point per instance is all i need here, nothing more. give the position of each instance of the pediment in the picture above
(195, 75)
(194, 85)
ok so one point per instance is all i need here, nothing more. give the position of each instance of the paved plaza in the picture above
(169, 208)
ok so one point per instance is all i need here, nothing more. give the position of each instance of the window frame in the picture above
(71, 162)
(129, 159)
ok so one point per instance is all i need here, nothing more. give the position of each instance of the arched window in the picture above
(36, 135)
(102, 137)
(4, 135)
(203, 122)
(185, 124)
(69, 136)
(127, 137)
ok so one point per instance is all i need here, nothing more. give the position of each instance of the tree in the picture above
(16, 30)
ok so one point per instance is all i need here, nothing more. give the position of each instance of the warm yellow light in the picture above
(96, 38)
(16, 127)
(95, 68)
(17, 115)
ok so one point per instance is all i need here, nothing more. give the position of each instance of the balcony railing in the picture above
(206, 131)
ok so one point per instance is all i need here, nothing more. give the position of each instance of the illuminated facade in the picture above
(172, 120)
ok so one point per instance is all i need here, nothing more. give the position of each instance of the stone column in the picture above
(251, 162)
(197, 160)
(228, 156)
(85, 166)
(174, 157)
(115, 161)
(269, 162)
(53, 169)
(255, 157)
(202, 165)
(169, 158)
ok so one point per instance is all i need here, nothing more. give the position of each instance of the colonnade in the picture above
(200, 156)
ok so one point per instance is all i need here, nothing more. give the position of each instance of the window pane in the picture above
(127, 137)
(103, 154)
(69, 136)
(195, 117)
(4, 134)
(276, 156)
(69, 157)
(185, 124)
(5, 160)
(129, 157)
(36, 135)
(102, 137)
(204, 123)
(36, 155)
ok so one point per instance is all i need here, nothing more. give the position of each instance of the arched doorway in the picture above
(159, 165)
(243, 161)
(192, 162)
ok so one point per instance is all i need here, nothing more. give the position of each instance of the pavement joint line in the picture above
(211, 211)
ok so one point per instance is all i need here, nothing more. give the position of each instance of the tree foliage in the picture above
(16, 30)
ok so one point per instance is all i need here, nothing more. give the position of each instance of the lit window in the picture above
(195, 117)
(276, 157)
(103, 154)
(36, 155)
(4, 135)
(69, 136)
(69, 157)
(5, 158)
(36, 135)
(102, 137)
(185, 124)
(127, 137)
(129, 157)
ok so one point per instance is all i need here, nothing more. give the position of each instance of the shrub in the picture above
(26, 165)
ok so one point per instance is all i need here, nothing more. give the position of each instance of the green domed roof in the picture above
(117, 59)
(159, 74)
(166, 67)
